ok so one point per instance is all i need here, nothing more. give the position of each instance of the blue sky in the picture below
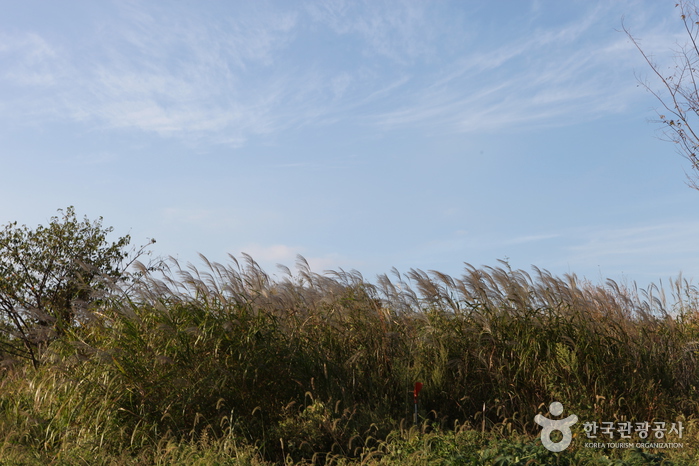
(362, 135)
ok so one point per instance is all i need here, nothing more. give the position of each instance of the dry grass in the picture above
(227, 362)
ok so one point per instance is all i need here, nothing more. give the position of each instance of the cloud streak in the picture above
(559, 76)
(250, 71)
(668, 240)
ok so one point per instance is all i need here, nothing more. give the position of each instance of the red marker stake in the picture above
(416, 392)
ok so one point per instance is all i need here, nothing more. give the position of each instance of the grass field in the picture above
(224, 365)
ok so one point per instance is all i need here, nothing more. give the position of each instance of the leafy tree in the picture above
(49, 276)
(680, 106)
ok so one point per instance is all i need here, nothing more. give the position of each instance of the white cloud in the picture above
(190, 73)
(557, 76)
(331, 261)
(531, 238)
(269, 256)
(35, 61)
(397, 30)
(168, 72)
(276, 253)
(669, 241)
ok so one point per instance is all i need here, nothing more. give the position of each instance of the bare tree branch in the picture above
(680, 95)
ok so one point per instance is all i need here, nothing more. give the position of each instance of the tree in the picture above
(680, 107)
(49, 277)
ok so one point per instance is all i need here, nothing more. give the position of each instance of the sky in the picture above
(361, 135)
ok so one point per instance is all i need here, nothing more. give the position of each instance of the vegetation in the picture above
(226, 365)
(47, 276)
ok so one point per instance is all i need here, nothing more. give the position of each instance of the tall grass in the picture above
(321, 366)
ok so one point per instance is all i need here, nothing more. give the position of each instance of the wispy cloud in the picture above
(34, 59)
(269, 256)
(262, 68)
(181, 75)
(561, 75)
(398, 30)
(669, 241)
(277, 253)
(167, 71)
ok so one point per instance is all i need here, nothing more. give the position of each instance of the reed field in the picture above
(226, 364)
